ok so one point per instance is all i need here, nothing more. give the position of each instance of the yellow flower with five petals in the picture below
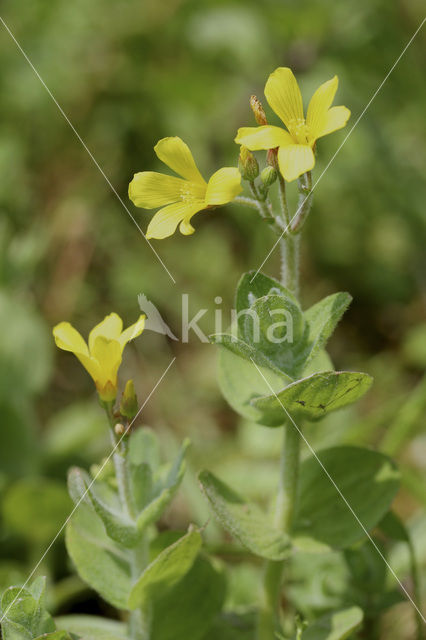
(180, 198)
(102, 356)
(296, 144)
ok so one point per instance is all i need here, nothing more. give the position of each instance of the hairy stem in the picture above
(269, 616)
(289, 476)
(139, 619)
(289, 246)
(248, 202)
(304, 204)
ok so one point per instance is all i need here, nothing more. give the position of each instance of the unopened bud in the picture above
(268, 176)
(119, 429)
(258, 110)
(272, 158)
(247, 164)
(129, 401)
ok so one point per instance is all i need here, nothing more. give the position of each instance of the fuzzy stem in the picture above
(289, 246)
(304, 204)
(248, 202)
(269, 616)
(139, 619)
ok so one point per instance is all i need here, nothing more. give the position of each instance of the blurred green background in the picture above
(128, 73)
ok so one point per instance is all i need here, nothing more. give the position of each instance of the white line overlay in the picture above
(343, 143)
(341, 495)
(87, 490)
(86, 148)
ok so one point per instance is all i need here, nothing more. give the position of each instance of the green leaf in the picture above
(335, 626)
(189, 607)
(99, 561)
(57, 635)
(243, 520)
(246, 351)
(144, 448)
(167, 568)
(276, 328)
(169, 486)
(93, 627)
(36, 508)
(313, 397)
(394, 528)
(117, 525)
(240, 383)
(24, 612)
(367, 479)
(254, 285)
(322, 319)
(144, 461)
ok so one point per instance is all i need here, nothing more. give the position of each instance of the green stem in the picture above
(139, 619)
(289, 246)
(269, 616)
(248, 202)
(289, 476)
(304, 204)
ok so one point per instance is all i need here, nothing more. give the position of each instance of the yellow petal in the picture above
(69, 339)
(91, 365)
(110, 327)
(165, 221)
(337, 118)
(223, 186)
(132, 332)
(176, 155)
(149, 189)
(284, 97)
(107, 353)
(295, 160)
(319, 106)
(266, 137)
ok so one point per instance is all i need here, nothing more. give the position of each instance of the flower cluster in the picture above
(181, 197)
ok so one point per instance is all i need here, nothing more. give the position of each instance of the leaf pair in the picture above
(152, 489)
(275, 345)
(323, 517)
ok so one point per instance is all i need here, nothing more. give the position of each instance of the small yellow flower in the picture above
(183, 196)
(102, 356)
(295, 153)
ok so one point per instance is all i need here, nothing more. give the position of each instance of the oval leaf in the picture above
(167, 568)
(367, 479)
(98, 560)
(313, 397)
(243, 520)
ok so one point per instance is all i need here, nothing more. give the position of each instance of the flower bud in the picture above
(247, 164)
(268, 176)
(119, 429)
(272, 158)
(129, 401)
(257, 108)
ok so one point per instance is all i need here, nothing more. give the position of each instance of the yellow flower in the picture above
(295, 153)
(102, 356)
(182, 196)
